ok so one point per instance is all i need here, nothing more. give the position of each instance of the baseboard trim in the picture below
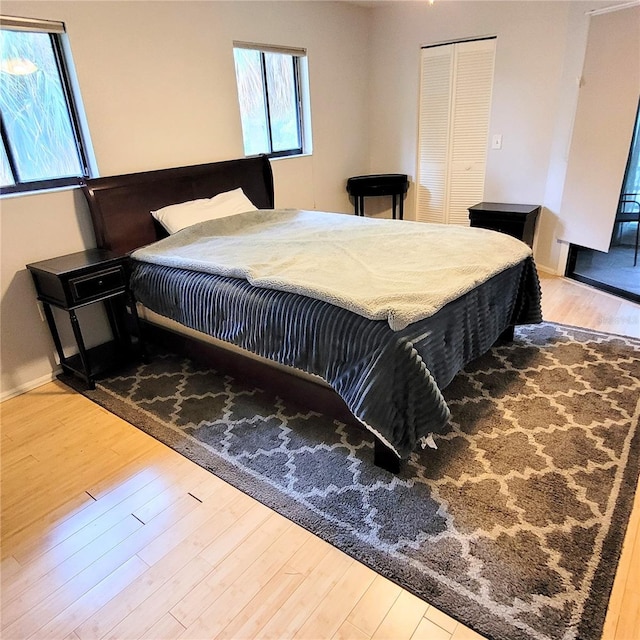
(548, 270)
(29, 386)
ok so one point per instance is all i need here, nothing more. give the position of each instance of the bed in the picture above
(351, 358)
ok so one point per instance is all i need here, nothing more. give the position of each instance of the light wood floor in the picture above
(107, 533)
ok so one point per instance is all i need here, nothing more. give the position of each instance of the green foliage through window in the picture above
(269, 86)
(41, 142)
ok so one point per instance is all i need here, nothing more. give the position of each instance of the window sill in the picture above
(299, 155)
(36, 192)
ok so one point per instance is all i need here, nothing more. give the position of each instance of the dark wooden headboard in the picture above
(121, 205)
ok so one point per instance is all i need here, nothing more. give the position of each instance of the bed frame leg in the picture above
(384, 457)
(507, 335)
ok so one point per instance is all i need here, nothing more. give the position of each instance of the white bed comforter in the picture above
(392, 270)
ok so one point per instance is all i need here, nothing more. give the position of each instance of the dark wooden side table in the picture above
(80, 279)
(382, 184)
(517, 220)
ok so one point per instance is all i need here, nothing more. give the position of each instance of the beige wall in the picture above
(539, 54)
(158, 86)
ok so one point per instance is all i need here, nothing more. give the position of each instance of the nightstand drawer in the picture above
(98, 284)
(514, 228)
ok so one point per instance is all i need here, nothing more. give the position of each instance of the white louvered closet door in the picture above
(455, 104)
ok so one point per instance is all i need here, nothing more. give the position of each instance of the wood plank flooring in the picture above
(106, 533)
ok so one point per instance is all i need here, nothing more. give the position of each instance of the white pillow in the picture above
(184, 214)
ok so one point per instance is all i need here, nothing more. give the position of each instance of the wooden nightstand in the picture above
(517, 220)
(80, 279)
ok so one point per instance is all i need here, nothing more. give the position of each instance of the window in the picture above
(270, 92)
(42, 145)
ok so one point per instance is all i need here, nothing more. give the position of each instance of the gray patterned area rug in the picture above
(513, 526)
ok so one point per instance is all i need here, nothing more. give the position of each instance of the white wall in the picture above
(34, 228)
(540, 48)
(158, 86)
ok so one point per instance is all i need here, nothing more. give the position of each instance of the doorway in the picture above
(618, 270)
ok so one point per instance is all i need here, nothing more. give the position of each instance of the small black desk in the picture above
(80, 279)
(382, 184)
(517, 220)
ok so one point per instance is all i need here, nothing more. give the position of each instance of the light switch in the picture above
(496, 141)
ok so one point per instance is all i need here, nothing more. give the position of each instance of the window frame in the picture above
(298, 85)
(56, 32)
